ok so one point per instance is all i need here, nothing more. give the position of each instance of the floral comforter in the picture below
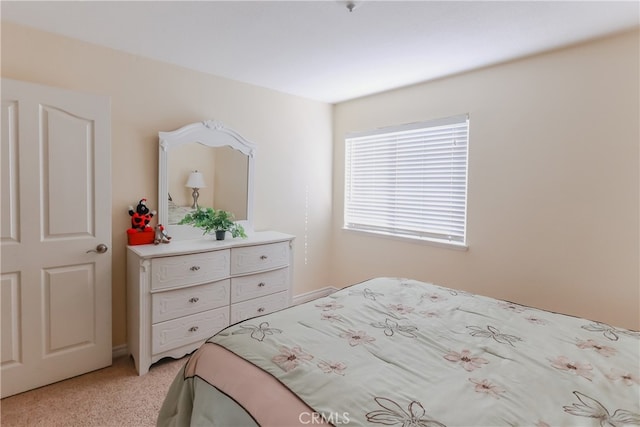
(401, 352)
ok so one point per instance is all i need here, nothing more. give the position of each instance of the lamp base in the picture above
(195, 195)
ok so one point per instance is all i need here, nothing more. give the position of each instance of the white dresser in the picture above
(180, 294)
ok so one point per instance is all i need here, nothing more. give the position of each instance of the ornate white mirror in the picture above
(224, 162)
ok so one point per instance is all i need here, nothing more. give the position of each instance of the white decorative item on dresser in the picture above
(225, 158)
(179, 295)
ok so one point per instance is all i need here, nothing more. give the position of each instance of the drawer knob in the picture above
(263, 257)
(193, 329)
(262, 285)
(194, 300)
(261, 309)
(195, 268)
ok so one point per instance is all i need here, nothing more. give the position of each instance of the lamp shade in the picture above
(196, 180)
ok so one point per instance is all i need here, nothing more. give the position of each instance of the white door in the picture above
(56, 208)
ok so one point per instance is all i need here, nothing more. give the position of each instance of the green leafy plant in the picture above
(210, 219)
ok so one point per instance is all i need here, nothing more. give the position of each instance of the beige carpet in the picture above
(113, 396)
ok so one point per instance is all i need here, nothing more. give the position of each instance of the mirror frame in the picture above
(213, 134)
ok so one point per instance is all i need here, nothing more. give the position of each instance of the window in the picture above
(409, 181)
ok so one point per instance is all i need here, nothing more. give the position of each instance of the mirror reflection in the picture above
(221, 181)
(225, 164)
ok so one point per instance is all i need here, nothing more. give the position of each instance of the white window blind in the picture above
(409, 181)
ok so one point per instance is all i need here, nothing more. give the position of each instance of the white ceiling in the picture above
(318, 49)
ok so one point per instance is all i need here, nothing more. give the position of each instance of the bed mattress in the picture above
(393, 351)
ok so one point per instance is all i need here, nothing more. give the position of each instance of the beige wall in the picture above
(553, 209)
(293, 138)
(553, 179)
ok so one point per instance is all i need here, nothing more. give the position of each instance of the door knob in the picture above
(101, 248)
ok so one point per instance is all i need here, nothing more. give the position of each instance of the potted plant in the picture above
(210, 219)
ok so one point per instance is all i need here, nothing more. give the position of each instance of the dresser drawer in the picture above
(169, 305)
(189, 329)
(259, 306)
(259, 284)
(251, 259)
(184, 270)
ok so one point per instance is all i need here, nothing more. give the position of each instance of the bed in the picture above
(393, 351)
(177, 213)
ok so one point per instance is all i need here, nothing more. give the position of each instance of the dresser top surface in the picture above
(207, 243)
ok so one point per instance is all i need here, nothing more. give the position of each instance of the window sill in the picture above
(419, 240)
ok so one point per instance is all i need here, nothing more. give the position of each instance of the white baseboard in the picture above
(119, 351)
(123, 350)
(310, 296)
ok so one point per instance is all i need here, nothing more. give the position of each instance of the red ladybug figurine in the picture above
(141, 216)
